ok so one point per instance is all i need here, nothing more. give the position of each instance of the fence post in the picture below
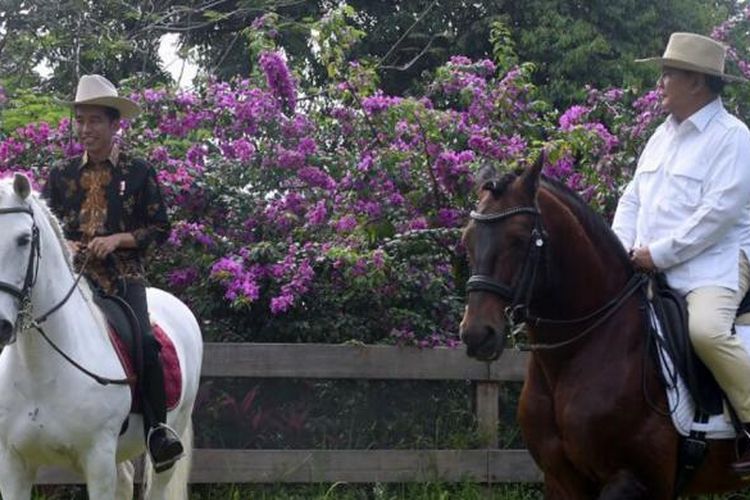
(488, 411)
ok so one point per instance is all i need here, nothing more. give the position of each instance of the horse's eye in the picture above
(23, 240)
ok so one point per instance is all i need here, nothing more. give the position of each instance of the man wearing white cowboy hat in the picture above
(111, 210)
(685, 212)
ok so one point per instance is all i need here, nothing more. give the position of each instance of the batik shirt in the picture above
(117, 195)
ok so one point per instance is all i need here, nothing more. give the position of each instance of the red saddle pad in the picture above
(170, 365)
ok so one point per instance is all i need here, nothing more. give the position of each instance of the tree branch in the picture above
(406, 33)
(415, 59)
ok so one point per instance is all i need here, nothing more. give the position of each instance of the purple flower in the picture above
(450, 217)
(317, 214)
(279, 79)
(346, 224)
(379, 102)
(181, 278)
(314, 176)
(243, 149)
(159, 154)
(225, 267)
(282, 303)
(573, 116)
(561, 169)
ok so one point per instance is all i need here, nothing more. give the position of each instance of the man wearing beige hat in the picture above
(685, 212)
(111, 210)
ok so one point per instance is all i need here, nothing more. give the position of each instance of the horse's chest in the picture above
(35, 432)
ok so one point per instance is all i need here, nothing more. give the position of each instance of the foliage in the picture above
(75, 37)
(279, 414)
(571, 43)
(596, 43)
(333, 216)
(29, 107)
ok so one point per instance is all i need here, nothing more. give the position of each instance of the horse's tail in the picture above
(176, 479)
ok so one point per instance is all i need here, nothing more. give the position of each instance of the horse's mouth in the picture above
(488, 349)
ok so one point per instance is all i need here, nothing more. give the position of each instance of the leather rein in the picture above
(23, 296)
(519, 294)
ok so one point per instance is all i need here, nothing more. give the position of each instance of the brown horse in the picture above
(592, 411)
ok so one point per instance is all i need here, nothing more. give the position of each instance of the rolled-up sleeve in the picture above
(624, 223)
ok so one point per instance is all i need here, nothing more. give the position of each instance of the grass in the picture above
(343, 491)
(336, 491)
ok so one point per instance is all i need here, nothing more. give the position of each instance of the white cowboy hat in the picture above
(96, 90)
(697, 53)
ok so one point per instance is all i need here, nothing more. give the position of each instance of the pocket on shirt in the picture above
(685, 190)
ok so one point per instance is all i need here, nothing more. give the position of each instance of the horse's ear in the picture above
(21, 186)
(530, 176)
(487, 173)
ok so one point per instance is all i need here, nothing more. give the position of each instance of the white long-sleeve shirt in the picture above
(689, 200)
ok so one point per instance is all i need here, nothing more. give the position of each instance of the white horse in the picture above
(51, 412)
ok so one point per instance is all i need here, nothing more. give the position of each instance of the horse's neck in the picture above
(585, 273)
(74, 327)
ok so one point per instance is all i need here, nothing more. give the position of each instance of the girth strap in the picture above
(691, 453)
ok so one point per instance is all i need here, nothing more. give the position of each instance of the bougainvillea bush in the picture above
(334, 214)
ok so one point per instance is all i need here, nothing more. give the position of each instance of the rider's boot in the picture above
(742, 465)
(164, 445)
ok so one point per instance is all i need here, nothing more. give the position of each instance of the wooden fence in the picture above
(324, 361)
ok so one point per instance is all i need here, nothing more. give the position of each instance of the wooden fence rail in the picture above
(326, 361)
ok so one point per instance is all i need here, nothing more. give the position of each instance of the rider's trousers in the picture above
(712, 310)
(151, 380)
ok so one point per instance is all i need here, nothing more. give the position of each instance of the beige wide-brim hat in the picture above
(693, 52)
(95, 90)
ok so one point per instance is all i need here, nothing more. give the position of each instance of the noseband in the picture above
(519, 293)
(22, 294)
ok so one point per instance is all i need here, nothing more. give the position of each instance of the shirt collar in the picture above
(114, 156)
(701, 118)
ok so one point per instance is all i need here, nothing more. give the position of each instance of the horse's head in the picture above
(19, 247)
(504, 241)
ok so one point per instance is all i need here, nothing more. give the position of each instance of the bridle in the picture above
(23, 295)
(519, 294)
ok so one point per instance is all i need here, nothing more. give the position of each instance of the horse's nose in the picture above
(6, 331)
(482, 339)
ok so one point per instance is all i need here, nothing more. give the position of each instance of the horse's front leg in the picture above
(562, 481)
(125, 478)
(16, 478)
(624, 486)
(100, 469)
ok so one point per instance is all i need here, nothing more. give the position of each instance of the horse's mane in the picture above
(594, 224)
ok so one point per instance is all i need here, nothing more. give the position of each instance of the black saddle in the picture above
(671, 312)
(123, 321)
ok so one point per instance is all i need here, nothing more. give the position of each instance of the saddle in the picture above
(124, 333)
(671, 311)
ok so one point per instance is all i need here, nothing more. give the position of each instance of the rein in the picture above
(41, 319)
(519, 294)
(636, 282)
(23, 295)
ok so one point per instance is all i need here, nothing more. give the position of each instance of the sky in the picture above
(173, 63)
(170, 61)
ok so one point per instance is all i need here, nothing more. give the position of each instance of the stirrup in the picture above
(165, 464)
